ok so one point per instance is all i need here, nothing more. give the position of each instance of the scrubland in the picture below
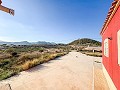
(16, 59)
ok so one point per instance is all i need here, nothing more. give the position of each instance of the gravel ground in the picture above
(70, 72)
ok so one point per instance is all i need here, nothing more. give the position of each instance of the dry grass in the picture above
(19, 58)
(90, 53)
(13, 65)
(42, 59)
(29, 64)
(96, 54)
(4, 56)
(27, 57)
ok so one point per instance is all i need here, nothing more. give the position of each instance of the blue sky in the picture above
(60, 21)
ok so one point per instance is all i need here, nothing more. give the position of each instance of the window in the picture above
(106, 48)
(118, 42)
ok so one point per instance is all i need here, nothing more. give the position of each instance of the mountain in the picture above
(3, 42)
(86, 42)
(21, 43)
(45, 43)
(27, 43)
(15, 43)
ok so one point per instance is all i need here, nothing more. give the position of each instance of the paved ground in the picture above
(99, 78)
(71, 72)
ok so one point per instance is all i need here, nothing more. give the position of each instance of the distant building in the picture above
(99, 49)
(111, 46)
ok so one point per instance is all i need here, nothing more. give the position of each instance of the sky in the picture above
(60, 21)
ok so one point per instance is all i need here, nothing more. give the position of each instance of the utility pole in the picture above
(5, 9)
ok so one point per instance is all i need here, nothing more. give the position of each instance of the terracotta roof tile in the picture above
(109, 14)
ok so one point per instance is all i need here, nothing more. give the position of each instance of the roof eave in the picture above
(110, 15)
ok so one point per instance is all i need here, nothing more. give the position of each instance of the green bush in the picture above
(12, 52)
(5, 62)
(6, 74)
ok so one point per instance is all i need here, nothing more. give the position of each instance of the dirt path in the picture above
(71, 72)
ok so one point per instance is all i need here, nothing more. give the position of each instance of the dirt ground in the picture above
(71, 72)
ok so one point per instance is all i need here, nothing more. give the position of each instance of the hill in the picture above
(86, 42)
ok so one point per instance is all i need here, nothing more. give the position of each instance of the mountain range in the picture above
(82, 42)
(27, 43)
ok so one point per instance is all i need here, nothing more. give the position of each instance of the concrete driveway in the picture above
(71, 72)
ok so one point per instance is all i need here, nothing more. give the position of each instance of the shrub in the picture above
(43, 58)
(11, 51)
(29, 56)
(13, 65)
(14, 54)
(41, 50)
(4, 62)
(26, 65)
(30, 64)
(6, 74)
